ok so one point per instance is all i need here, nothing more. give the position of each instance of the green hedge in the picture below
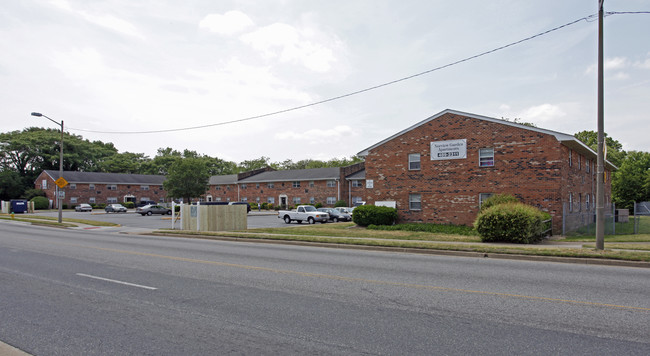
(41, 203)
(365, 215)
(511, 222)
(498, 199)
(340, 203)
(426, 227)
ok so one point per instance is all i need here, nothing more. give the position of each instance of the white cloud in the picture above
(542, 113)
(227, 24)
(292, 45)
(643, 64)
(504, 107)
(318, 135)
(107, 21)
(610, 64)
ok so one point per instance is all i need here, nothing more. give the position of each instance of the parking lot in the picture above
(132, 220)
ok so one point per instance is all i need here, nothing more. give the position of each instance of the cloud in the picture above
(318, 135)
(107, 21)
(542, 113)
(610, 64)
(643, 64)
(292, 45)
(230, 23)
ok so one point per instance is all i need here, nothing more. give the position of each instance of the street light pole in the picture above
(600, 175)
(58, 196)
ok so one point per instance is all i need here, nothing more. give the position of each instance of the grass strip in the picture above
(50, 220)
(634, 247)
(478, 248)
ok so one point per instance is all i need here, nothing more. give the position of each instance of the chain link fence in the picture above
(617, 221)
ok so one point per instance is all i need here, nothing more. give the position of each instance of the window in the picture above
(112, 200)
(587, 201)
(73, 200)
(570, 158)
(73, 186)
(357, 183)
(296, 200)
(111, 187)
(312, 200)
(91, 186)
(415, 202)
(270, 200)
(486, 157)
(244, 199)
(91, 200)
(414, 162)
(227, 199)
(331, 200)
(311, 184)
(331, 183)
(356, 200)
(257, 186)
(579, 161)
(270, 185)
(570, 202)
(257, 199)
(144, 187)
(217, 199)
(144, 199)
(296, 184)
(482, 197)
(243, 186)
(218, 187)
(44, 184)
(587, 164)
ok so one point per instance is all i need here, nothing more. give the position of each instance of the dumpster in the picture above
(19, 205)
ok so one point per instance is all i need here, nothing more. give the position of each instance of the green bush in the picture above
(498, 199)
(340, 203)
(64, 206)
(129, 205)
(365, 215)
(318, 205)
(177, 208)
(31, 193)
(40, 203)
(511, 222)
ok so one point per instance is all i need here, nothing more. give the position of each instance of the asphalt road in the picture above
(71, 292)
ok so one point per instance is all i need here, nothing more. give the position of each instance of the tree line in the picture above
(25, 154)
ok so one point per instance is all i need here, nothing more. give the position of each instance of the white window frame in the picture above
(312, 200)
(486, 157)
(415, 202)
(44, 184)
(482, 197)
(270, 185)
(73, 186)
(311, 184)
(270, 200)
(357, 183)
(331, 183)
(111, 200)
(414, 162)
(570, 202)
(73, 200)
(91, 186)
(296, 200)
(331, 200)
(111, 187)
(296, 184)
(91, 200)
(144, 187)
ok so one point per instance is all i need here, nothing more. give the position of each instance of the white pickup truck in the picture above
(303, 213)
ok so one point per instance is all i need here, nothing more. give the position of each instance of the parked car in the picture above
(146, 202)
(303, 213)
(153, 209)
(248, 206)
(336, 215)
(345, 210)
(83, 207)
(115, 208)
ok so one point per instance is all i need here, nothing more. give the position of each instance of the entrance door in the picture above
(283, 201)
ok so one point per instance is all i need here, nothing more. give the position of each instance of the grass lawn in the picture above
(54, 221)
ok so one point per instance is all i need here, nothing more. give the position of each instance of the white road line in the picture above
(115, 281)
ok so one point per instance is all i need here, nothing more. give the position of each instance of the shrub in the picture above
(129, 205)
(40, 203)
(340, 203)
(64, 206)
(318, 205)
(498, 199)
(511, 222)
(365, 215)
(31, 193)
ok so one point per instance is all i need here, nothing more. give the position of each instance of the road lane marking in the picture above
(116, 281)
(354, 279)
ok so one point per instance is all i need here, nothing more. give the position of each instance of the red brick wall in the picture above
(529, 165)
(320, 191)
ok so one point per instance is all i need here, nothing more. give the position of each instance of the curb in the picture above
(501, 256)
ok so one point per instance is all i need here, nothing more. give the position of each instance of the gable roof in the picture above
(107, 178)
(568, 140)
(294, 175)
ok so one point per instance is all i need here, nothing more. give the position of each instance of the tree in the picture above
(251, 165)
(187, 178)
(126, 162)
(630, 183)
(162, 162)
(615, 153)
(11, 185)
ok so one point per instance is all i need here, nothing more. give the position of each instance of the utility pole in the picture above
(600, 187)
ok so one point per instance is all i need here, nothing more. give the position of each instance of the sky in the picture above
(113, 69)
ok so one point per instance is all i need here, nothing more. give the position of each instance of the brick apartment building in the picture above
(289, 187)
(441, 169)
(95, 188)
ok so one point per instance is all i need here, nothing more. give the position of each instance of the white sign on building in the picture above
(370, 184)
(452, 149)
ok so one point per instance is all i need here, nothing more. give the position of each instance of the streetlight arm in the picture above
(45, 116)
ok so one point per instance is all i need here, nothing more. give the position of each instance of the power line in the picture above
(586, 18)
